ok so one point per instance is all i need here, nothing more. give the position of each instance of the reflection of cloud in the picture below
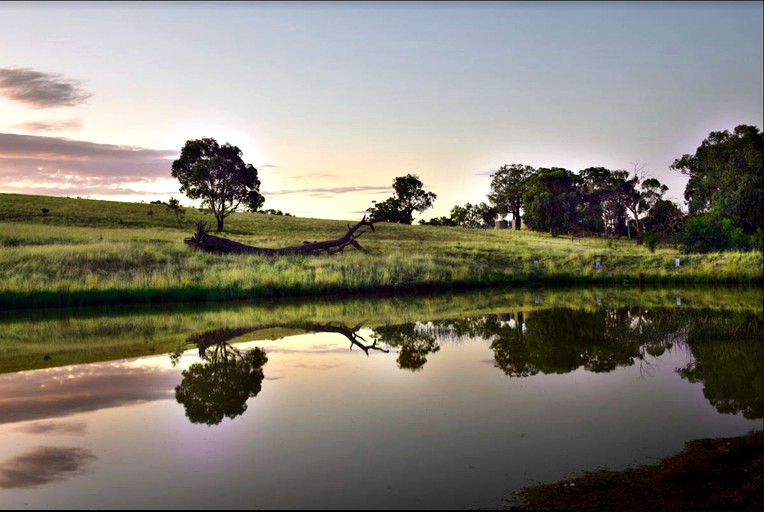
(68, 390)
(43, 465)
(317, 366)
(40, 90)
(32, 164)
(55, 428)
(311, 351)
(54, 125)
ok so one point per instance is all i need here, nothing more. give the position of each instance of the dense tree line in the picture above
(723, 195)
(556, 200)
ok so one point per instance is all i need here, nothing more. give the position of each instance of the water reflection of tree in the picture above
(728, 354)
(561, 340)
(727, 347)
(220, 385)
(413, 343)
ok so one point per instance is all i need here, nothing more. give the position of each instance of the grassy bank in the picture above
(61, 252)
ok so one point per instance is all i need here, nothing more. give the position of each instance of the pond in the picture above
(447, 402)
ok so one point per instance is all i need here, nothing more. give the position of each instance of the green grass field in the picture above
(81, 252)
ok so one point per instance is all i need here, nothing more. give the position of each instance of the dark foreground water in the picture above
(453, 413)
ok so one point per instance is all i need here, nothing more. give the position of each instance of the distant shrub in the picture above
(650, 240)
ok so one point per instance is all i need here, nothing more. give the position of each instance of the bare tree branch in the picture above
(203, 241)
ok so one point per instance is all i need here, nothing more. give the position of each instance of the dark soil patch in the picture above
(710, 474)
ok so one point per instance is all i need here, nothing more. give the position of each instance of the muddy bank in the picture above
(710, 474)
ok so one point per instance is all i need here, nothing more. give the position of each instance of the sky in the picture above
(331, 101)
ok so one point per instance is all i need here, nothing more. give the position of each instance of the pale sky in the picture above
(331, 101)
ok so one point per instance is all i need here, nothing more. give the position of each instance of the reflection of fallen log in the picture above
(207, 339)
(210, 243)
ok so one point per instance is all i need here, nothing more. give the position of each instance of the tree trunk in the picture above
(203, 241)
(516, 215)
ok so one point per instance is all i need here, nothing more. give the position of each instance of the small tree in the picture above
(474, 216)
(664, 218)
(218, 176)
(173, 206)
(410, 196)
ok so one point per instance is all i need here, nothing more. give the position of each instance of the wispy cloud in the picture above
(77, 428)
(51, 165)
(316, 176)
(332, 191)
(54, 125)
(486, 173)
(40, 90)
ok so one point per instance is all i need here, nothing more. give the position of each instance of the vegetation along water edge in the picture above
(63, 252)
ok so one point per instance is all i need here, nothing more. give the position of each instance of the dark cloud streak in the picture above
(43, 465)
(50, 126)
(40, 90)
(367, 189)
(72, 167)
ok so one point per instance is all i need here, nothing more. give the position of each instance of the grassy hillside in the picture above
(58, 251)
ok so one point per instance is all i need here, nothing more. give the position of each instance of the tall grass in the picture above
(86, 252)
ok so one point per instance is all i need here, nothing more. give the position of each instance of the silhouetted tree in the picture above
(173, 205)
(439, 221)
(218, 176)
(410, 196)
(550, 201)
(664, 218)
(474, 216)
(508, 186)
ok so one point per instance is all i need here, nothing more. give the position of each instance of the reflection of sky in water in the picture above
(43, 465)
(335, 428)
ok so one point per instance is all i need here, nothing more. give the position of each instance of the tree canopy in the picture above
(508, 185)
(550, 201)
(218, 176)
(409, 197)
(726, 172)
(474, 216)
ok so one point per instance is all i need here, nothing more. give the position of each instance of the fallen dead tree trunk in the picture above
(203, 241)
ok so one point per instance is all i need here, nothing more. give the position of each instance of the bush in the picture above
(650, 240)
(712, 232)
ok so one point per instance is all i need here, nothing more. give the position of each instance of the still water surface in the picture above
(453, 412)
